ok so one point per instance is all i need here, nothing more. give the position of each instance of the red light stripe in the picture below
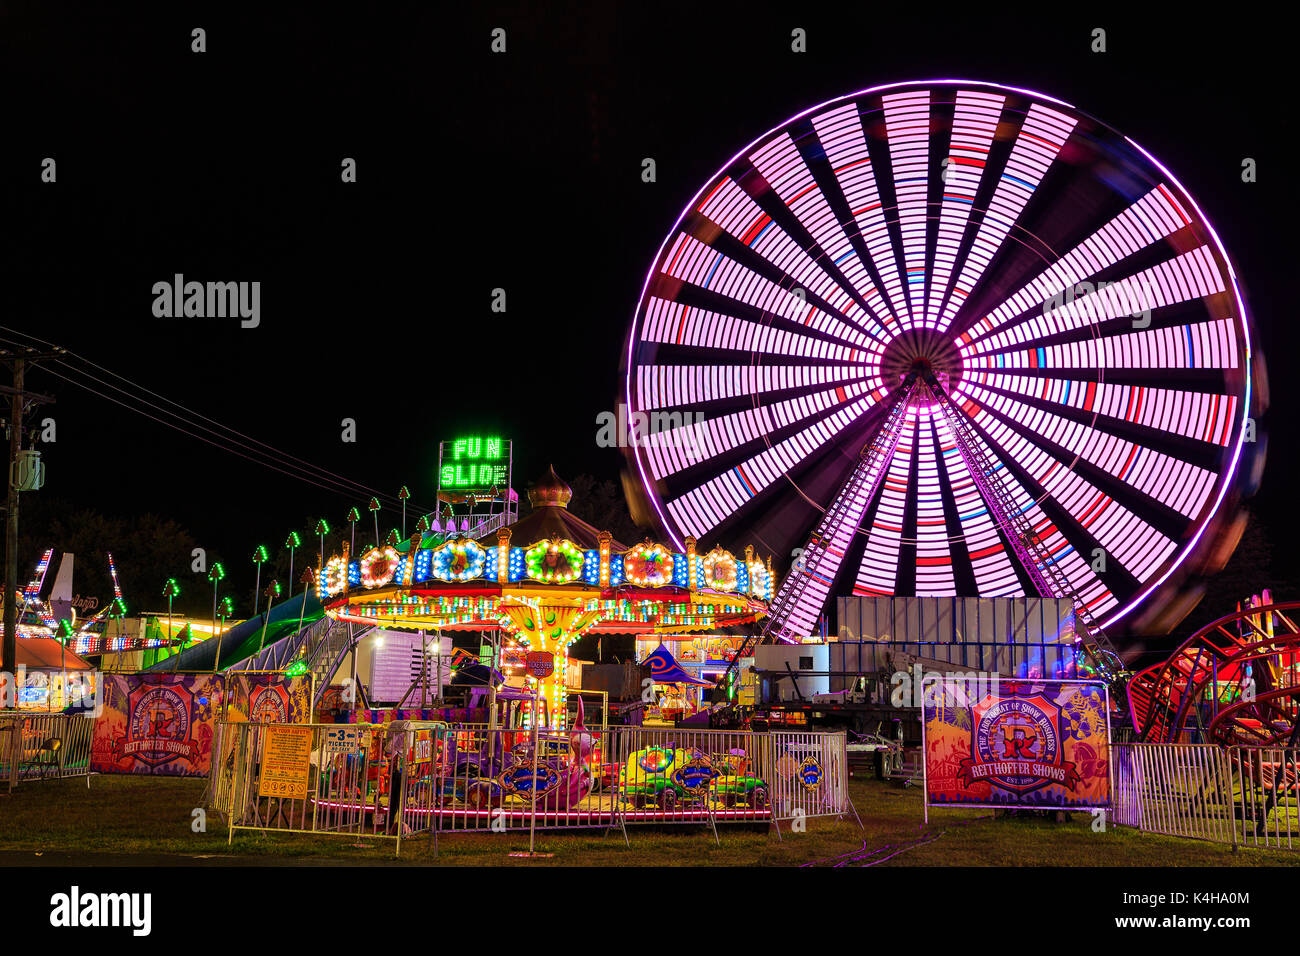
(1173, 202)
(721, 183)
(795, 198)
(681, 326)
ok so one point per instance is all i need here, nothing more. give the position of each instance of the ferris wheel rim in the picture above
(1227, 478)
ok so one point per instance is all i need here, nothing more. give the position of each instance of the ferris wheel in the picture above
(943, 338)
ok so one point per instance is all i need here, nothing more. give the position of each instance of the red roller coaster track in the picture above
(1235, 686)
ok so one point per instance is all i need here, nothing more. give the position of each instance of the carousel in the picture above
(545, 581)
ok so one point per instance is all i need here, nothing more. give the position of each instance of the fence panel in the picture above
(412, 777)
(1265, 784)
(468, 778)
(41, 746)
(807, 773)
(679, 775)
(1175, 789)
(344, 789)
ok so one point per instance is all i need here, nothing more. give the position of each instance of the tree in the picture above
(147, 549)
(1251, 568)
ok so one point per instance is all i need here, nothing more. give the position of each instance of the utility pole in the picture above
(17, 407)
(11, 523)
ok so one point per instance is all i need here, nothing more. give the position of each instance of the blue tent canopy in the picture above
(664, 669)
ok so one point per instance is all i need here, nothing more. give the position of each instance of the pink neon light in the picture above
(996, 362)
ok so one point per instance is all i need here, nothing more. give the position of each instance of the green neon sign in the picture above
(475, 462)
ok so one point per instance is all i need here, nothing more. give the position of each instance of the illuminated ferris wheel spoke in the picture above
(1151, 219)
(934, 552)
(907, 120)
(731, 208)
(914, 230)
(1205, 416)
(1188, 346)
(840, 135)
(696, 386)
(670, 323)
(975, 121)
(1178, 280)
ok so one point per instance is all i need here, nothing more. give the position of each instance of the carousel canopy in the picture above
(549, 574)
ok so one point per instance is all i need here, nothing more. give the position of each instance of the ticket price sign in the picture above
(540, 664)
(343, 740)
(286, 762)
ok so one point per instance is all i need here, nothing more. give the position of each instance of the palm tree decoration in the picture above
(259, 555)
(225, 609)
(374, 509)
(354, 515)
(291, 542)
(171, 591)
(322, 529)
(402, 494)
(272, 592)
(65, 635)
(116, 611)
(393, 539)
(216, 574)
(308, 580)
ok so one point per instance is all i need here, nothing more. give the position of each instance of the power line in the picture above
(344, 486)
(188, 411)
(312, 474)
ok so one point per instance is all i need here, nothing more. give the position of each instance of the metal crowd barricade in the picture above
(1179, 790)
(347, 787)
(417, 777)
(1265, 787)
(807, 773)
(42, 746)
(470, 779)
(678, 775)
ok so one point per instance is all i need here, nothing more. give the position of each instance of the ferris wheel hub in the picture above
(927, 352)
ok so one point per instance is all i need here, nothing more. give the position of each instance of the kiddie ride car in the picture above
(668, 777)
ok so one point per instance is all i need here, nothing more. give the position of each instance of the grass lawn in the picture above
(123, 816)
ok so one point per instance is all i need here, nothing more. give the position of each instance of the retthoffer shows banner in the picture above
(1004, 743)
(164, 724)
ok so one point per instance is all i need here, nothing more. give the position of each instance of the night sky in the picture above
(477, 171)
